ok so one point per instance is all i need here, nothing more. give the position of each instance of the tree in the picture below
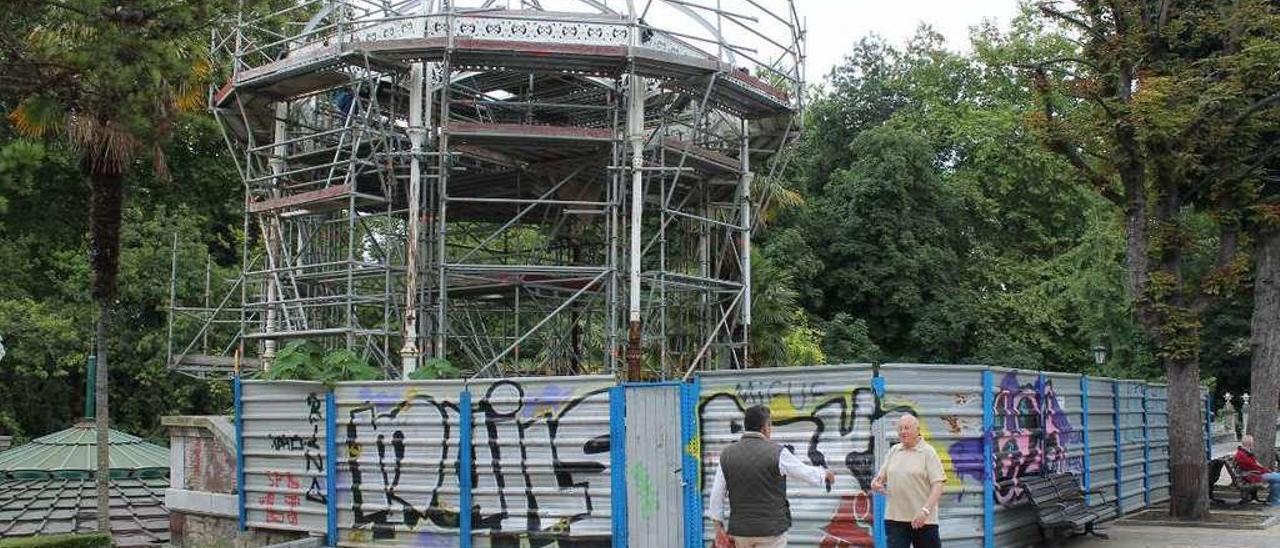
(1159, 113)
(961, 239)
(1265, 341)
(110, 78)
(46, 316)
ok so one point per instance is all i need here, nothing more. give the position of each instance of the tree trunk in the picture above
(1189, 486)
(101, 328)
(1265, 343)
(107, 197)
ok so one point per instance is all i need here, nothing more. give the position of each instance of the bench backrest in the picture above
(1233, 470)
(1053, 488)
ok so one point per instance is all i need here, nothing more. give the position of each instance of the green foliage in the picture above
(92, 540)
(936, 228)
(19, 167)
(45, 312)
(848, 340)
(435, 368)
(803, 342)
(308, 361)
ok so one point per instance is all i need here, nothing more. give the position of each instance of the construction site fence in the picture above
(586, 461)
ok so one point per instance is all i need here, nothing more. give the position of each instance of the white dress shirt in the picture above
(788, 465)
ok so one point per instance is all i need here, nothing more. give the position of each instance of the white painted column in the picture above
(410, 352)
(635, 134)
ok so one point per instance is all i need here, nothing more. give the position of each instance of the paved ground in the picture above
(1131, 536)
(1156, 536)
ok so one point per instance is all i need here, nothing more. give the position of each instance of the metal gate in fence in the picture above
(654, 468)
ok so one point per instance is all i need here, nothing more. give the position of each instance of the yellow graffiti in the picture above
(953, 479)
(694, 447)
(782, 408)
(354, 450)
(410, 392)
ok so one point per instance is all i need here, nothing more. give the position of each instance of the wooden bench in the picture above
(1249, 492)
(1060, 506)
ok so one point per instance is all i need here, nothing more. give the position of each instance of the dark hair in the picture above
(756, 418)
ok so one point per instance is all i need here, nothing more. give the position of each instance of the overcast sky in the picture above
(835, 25)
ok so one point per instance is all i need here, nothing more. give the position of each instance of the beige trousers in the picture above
(779, 541)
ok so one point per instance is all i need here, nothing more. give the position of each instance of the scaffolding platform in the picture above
(508, 189)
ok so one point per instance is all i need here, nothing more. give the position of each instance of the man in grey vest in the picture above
(753, 473)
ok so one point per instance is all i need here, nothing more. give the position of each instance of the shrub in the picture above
(92, 540)
(308, 361)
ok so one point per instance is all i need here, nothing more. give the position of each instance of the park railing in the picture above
(593, 462)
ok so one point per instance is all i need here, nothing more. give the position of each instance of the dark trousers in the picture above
(901, 535)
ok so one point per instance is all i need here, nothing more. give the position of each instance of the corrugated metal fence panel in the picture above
(1064, 424)
(1158, 441)
(540, 458)
(542, 461)
(822, 414)
(655, 497)
(948, 401)
(1132, 444)
(284, 441)
(1102, 444)
(1018, 437)
(397, 463)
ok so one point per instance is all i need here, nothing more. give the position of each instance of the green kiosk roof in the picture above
(47, 487)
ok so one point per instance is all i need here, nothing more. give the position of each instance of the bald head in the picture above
(1247, 442)
(909, 430)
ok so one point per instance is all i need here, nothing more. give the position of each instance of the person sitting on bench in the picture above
(1257, 473)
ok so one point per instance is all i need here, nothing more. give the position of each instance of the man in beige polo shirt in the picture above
(913, 477)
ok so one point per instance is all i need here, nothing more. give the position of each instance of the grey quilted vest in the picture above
(758, 504)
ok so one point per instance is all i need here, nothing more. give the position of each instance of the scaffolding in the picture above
(520, 188)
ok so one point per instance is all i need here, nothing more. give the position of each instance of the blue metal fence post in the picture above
(618, 464)
(1146, 451)
(331, 464)
(988, 460)
(238, 393)
(1041, 422)
(877, 500)
(1084, 424)
(465, 463)
(1115, 395)
(691, 462)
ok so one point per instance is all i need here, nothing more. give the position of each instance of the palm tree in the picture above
(108, 78)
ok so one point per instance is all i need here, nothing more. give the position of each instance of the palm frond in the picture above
(775, 196)
(60, 36)
(37, 115)
(160, 163)
(108, 146)
(190, 95)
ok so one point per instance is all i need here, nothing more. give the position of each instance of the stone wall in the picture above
(203, 497)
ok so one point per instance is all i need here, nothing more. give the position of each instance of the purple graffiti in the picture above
(1031, 435)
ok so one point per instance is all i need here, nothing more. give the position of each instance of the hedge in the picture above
(92, 540)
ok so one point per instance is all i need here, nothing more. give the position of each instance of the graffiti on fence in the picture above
(825, 427)
(539, 462)
(278, 484)
(309, 445)
(1031, 436)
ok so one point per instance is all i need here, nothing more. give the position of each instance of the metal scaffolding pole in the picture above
(499, 223)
